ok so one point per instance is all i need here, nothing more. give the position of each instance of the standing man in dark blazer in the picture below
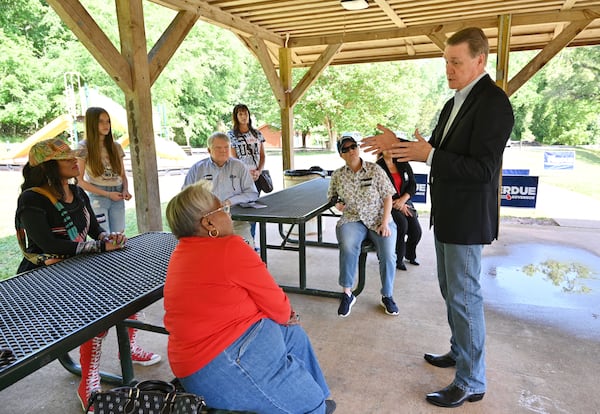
(465, 155)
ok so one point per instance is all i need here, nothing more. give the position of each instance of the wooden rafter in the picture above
(546, 54)
(169, 42)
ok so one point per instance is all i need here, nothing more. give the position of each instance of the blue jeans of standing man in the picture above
(271, 368)
(459, 268)
(110, 214)
(350, 237)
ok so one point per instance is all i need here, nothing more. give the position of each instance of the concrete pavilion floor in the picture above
(374, 362)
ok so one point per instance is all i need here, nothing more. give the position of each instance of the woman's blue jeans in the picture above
(271, 368)
(459, 268)
(350, 237)
(110, 214)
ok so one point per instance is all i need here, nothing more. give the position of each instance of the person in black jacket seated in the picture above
(403, 211)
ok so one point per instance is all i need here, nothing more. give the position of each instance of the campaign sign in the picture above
(519, 191)
(421, 193)
(559, 160)
(515, 171)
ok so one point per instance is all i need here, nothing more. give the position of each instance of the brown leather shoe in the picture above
(452, 396)
(441, 361)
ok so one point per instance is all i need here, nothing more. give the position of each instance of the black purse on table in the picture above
(264, 182)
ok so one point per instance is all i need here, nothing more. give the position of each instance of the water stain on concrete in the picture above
(553, 285)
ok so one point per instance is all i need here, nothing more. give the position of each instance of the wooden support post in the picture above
(504, 26)
(138, 103)
(287, 109)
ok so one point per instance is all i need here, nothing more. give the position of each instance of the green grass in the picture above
(10, 253)
(581, 179)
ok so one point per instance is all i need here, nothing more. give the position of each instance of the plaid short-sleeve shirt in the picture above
(363, 192)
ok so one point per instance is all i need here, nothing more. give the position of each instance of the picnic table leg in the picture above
(302, 254)
(263, 241)
(125, 354)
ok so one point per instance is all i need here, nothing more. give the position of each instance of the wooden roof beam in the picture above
(438, 39)
(169, 42)
(387, 9)
(228, 21)
(262, 53)
(547, 53)
(450, 27)
(314, 72)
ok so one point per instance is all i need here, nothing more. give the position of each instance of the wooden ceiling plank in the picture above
(85, 28)
(216, 16)
(424, 30)
(518, 20)
(551, 49)
(169, 42)
(314, 72)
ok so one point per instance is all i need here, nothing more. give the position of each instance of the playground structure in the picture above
(78, 99)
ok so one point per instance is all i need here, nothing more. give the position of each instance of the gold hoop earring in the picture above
(214, 233)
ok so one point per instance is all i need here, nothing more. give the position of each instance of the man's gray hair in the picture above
(216, 135)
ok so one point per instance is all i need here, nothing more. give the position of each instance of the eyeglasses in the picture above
(226, 209)
(348, 148)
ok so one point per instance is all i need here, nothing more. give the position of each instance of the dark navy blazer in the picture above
(465, 168)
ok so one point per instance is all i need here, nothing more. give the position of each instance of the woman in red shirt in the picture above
(404, 212)
(233, 336)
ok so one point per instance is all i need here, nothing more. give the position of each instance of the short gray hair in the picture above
(216, 135)
(185, 210)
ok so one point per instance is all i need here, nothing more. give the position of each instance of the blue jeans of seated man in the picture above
(459, 268)
(270, 368)
(110, 214)
(350, 237)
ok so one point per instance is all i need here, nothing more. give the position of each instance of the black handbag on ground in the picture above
(147, 397)
(264, 182)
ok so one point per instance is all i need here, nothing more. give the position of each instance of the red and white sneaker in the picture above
(144, 358)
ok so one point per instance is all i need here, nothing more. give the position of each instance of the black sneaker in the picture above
(400, 265)
(346, 305)
(330, 406)
(389, 305)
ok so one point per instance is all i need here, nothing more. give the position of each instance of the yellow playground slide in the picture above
(52, 129)
(164, 149)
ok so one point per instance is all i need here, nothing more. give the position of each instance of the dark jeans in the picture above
(408, 235)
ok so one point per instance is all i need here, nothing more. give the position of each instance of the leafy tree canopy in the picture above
(212, 71)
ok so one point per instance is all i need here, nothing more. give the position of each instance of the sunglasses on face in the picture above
(348, 148)
(226, 209)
